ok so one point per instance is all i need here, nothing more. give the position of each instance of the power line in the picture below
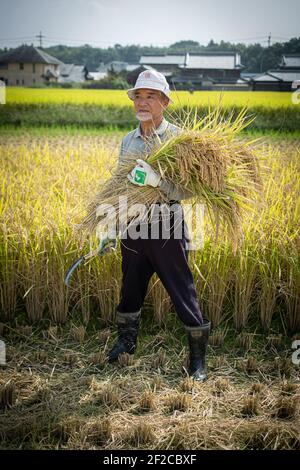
(16, 39)
(246, 39)
(76, 40)
(281, 37)
(51, 39)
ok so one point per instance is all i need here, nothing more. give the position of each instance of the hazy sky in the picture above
(158, 22)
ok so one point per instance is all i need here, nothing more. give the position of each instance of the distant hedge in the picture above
(278, 119)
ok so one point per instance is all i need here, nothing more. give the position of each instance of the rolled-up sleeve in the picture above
(121, 151)
(175, 192)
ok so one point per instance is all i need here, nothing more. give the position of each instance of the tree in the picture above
(187, 43)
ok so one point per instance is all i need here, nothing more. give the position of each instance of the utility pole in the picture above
(40, 36)
(262, 54)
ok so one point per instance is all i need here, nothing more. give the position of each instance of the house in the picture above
(167, 64)
(296, 84)
(290, 62)
(133, 72)
(275, 80)
(114, 66)
(97, 75)
(117, 67)
(206, 70)
(280, 79)
(71, 73)
(27, 66)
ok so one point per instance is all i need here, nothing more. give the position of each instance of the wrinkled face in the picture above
(149, 104)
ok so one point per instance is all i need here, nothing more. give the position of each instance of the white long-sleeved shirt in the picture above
(135, 144)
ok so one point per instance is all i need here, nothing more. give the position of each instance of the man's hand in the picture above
(143, 174)
(106, 244)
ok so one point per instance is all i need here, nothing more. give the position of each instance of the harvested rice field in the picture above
(58, 393)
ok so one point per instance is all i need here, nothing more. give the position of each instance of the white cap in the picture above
(152, 80)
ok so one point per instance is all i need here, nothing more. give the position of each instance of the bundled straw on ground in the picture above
(206, 159)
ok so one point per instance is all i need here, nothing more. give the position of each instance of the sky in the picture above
(103, 23)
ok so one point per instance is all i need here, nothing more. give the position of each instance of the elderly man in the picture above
(143, 257)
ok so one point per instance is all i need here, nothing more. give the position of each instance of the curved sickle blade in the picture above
(72, 269)
(109, 246)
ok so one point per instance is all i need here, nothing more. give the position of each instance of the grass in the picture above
(282, 119)
(68, 130)
(63, 131)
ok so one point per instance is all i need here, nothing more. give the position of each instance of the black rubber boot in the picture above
(128, 327)
(198, 340)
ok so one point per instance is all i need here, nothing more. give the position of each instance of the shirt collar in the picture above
(161, 129)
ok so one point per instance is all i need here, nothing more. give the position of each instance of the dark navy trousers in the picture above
(141, 258)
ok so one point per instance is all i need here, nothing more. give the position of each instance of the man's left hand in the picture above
(147, 175)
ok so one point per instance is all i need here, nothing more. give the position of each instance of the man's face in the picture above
(149, 104)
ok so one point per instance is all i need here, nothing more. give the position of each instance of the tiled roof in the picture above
(28, 54)
(213, 61)
(290, 60)
(205, 60)
(278, 75)
(163, 59)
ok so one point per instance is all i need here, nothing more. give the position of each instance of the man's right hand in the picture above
(148, 175)
(107, 244)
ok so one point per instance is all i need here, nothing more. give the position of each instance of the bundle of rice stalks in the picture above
(205, 159)
(178, 401)
(97, 431)
(147, 401)
(7, 395)
(250, 406)
(140, 433)
(286, 407)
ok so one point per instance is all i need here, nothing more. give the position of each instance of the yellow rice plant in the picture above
(45, 181)
(119, 98)
(244, 283)
(269, 282)
(291, 291)
(105, 280)
(159, 300)
(9, 264)
(33, 282)
(213, 276)
(42, 182)
(275, 228)
(82, 293)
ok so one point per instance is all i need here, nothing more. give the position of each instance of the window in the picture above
(33, 80)
(33, 68)
(23, 81)
(17, 82)
(21, 66)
